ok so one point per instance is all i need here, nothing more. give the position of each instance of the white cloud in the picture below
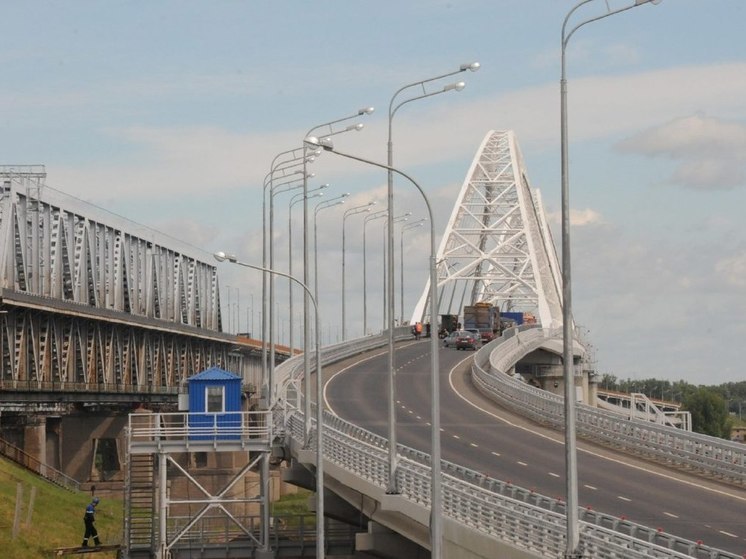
(709, 152)
(732, 270)
(578, 218)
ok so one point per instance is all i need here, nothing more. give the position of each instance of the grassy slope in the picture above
(57, 519)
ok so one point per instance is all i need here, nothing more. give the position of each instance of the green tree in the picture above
(709, 412)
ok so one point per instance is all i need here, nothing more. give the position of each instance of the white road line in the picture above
(496, 454)
(584, 450)
(522, 463)
(474, 445)
(728, 534)
(456, 437)
(623, 498)
(591, 487)
(553, 474)
(670, 514)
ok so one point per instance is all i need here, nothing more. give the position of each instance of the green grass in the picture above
(292, 506)
(57, 516)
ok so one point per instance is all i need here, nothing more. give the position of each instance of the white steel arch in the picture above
(497, 246)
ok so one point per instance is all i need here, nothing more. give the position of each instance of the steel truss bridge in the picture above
(95, 303)
(92, 302)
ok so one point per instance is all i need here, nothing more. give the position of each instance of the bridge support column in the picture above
(35, 439)
(381, 541)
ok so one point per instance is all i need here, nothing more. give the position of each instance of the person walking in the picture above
(89, 519)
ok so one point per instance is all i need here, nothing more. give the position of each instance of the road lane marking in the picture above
(728, 534)
(456, 437)
(624, 499)
(553, 474)
(670, 514)
(591, 487)
(496, 454)
(522, 463)
(585, 450)
(474, 445)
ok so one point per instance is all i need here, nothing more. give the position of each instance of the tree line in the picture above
(714, 409)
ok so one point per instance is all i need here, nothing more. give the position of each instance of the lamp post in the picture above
(318, 191)
(352, 211)
(398, 219)
(306, 333)
(371, 217)
(283, 165)
(436, 493)
(571, 464)
(221, 257)
(407, 227)
(392, 488)
(285, 186)
(326, 204)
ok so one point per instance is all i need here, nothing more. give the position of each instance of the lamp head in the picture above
(345, 195)
(458, 86)
(474, 66)
(222, 257)
(323, 143)
(365, 111)
(325, 185)
(356, 127)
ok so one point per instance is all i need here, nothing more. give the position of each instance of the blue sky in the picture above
(169, 113)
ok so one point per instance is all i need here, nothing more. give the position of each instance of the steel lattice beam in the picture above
(497, 247)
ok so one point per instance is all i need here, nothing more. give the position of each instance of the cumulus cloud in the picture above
(578, 218)
(708, 151)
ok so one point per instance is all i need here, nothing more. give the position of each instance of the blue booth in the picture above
(214, 405)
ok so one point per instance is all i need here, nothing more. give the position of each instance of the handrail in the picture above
(49, 473)
(498, 509)
(675, 447)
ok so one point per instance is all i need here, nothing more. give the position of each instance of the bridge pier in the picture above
(35, 440)
(383, 542)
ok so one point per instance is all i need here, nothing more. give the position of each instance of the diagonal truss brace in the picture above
(497, 246)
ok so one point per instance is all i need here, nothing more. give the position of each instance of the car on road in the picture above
(468, 340)
(450, 339)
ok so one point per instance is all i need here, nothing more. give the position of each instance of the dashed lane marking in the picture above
(623, 498)
(522, 463)
(591, 487)
(553, 474)
(670, 514)
(732, 495)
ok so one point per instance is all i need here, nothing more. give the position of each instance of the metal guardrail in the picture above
(508, 513)
(183, 427)
(29, 462)
(674, 447)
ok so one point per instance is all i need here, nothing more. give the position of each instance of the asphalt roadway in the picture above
(478, 434)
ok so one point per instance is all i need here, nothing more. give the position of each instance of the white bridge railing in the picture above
(501, 510)
(674, 447)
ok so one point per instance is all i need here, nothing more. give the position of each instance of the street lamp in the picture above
(407, 227)
(326, 204)
(222, 257)
(306, 333)
(283, 165)
(399, 219)
(284, 186)
(571, 464)
(474, 66)
(365, 208)
(318, 191)
(436, 498)
(371, 217)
